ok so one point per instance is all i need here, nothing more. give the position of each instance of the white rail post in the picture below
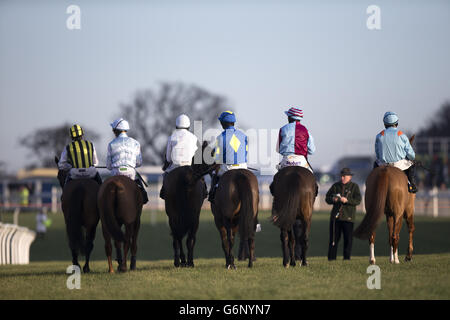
(54, 199)
(435, 194)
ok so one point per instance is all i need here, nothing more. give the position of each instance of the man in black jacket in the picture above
(344, 196)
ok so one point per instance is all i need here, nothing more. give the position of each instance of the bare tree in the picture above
(439, 125)
(152, 114)
(45, 143)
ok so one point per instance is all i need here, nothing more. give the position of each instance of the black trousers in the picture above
(336, 229)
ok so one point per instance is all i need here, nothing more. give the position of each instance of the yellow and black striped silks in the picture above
(81, 153)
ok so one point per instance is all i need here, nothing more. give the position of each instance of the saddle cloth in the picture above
(225, 167)
(401, 164)
(82, 173)
(294, 160)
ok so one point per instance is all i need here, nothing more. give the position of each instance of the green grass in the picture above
(426, 277)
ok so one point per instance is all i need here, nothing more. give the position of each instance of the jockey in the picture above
(181, 147)
(231, 149)
(124, 154)
(295, 142)
(392, 147)
(79, 157)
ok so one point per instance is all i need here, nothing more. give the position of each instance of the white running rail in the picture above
(15, 242)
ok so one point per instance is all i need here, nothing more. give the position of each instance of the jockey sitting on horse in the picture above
(181, 148)
(79, 157)
(124, 154)
(231, 150)
(392, 147)
(295, 142)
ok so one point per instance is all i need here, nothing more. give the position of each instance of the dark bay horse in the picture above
(387, 193)
(185, 192)
(293, 199)
(236, 208)
(79, 205)
(120, 203)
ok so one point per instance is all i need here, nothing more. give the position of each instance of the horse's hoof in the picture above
(111, 271)
(305, 263)
(286, 265)
(133, 268)
(231, 266)
(407, 259)
(86, 269)
(372, 261)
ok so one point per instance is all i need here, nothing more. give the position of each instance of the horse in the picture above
(387, 192)
(294, 190)
(120, 203)
(185, 192)
(79, 206)
(236, 208)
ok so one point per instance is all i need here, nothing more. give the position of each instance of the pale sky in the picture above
(265, 56)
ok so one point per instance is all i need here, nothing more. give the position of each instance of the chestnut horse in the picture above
(387, 192)
(120, 203)
(294, 190)
(236, 208)
(79, 205)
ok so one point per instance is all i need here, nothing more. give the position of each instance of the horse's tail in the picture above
(286, 214)
(183, 220)
(109, 211)
(74, 223)
(376, 208)
(246, 218)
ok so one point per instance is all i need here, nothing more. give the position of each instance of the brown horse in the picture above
(293, 199)
(236, 208)
(387, 193)
(185, 192)
(79, 205)
(120, 203)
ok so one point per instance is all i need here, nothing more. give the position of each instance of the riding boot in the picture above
(98, 179)
(162, 192)
(271, 188)
(411, 174)
(205, 189)
(317, 190)
(144, 193)
(212, 191)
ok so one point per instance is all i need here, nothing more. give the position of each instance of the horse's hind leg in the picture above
(108, 250)
(291, 247)
(90, 236)
(410, 223)
(251, 252)
(190, 243)
(118, 246)
(225, 245)
(284, 237)
(129, 230)
(372, 248)
(75, 257)
(304, 241)
(134, 246)
(176, 243)
(396, 238)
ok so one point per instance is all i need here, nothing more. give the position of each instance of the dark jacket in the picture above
(353, 195)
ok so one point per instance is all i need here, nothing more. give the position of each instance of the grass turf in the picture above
(426, 277)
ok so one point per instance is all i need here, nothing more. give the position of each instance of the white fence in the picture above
(434, 202)
(15, 242)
